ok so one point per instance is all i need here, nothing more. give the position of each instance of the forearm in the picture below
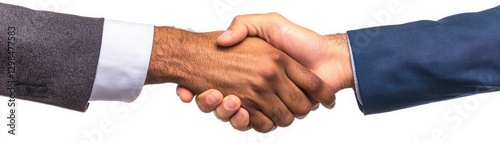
(68, 60)
(53, 56)
(169, 60)
(427, 61)
(180, 57)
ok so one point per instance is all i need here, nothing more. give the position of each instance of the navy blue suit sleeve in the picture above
(406, 65)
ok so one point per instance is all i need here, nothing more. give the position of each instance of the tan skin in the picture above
(327, 56)
(272, 86)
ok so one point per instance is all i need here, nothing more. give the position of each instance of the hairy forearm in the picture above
(165, 63)
(180, 56)
(164, 38)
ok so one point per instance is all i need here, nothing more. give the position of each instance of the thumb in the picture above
(243, 26)
(236, 33)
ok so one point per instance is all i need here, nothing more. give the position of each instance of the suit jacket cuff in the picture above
(124, 60)
(356, 88)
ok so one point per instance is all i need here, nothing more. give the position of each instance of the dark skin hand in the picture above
(271, 85)
(327, 56)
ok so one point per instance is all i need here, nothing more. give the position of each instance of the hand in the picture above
(327, 56)
(268, 82)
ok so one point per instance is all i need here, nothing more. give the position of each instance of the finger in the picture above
(209, 100)
(185, 94)
(241, 120)
(270, 106)
(260, 122)
(314, 103)
(311, 83)
(332, 105)
(293, 98)
(228, 108)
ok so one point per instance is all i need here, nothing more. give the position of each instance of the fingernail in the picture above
(211, 99)
(226, 34)
(230, 104)
(331, 105)
(239, 116)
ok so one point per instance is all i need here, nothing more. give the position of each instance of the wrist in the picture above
(340, 47)
(166, 62)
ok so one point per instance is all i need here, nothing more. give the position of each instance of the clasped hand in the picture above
(268, 69)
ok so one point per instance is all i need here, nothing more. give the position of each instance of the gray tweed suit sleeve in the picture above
(48, 57)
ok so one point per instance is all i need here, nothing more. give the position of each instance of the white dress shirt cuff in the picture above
(356, 89)
(123, 61)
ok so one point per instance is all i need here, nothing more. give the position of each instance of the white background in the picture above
(159, 116)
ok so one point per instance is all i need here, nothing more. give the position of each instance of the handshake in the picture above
(263, 72)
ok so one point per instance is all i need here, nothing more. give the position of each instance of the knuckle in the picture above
(315, 84)
(269, 74)
(237, 18)
(294, 95)
(277, 57)
(304, 105)
(258, 83)
(275, 15)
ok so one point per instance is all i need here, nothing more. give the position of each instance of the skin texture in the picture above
(327, 56)
(270, 85)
